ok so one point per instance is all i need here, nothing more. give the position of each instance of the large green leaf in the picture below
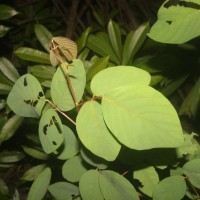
(71, 145)
(100, 44)
(115, 186)
(50, 131)
(33, 55)
(192, 170)
(74, 168)
(10, 128)
(115, 38)
(120, 76)
(133, 113)
(43, 35)
(133, 42)
(64, 191)
(7, 12)
(173, 188)
(60, 92)
(27, 98)
(93, 132)
(148, 178)
(176, 24)
(89, 186)
(40, 185)
(8, 69)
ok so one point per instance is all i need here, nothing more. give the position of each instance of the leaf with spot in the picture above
(27, 97)
(50, 131)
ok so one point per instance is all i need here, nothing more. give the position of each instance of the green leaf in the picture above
(11, 156)
(40, 185)
(176, 24)
(115, 186)
(73, 169)
(7, 12)
(33, 55)
(133, 42)
(50, 131)
(190, 105)
(43, 35)
(100, 44)
(82, 40)
(120, 76)
(27, 98)
(93, 160)
(64, 190)
(95, 135)
(53, 58)
(192, 171)
(173, 188)
(4, 89)
(133, 113)
(10, 128)
(148, 178)
(16, 195)
(7, 68)
(115, 38)
(3, 30)
(42, 71)
(35, 153)
(60, 86)
(98, 65)
(71, 145)
(3, 187)
(89, 186)
(32, 173)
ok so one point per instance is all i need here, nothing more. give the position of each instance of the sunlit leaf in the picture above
(133, 113)
(40, 185)
(176, 24)
(95, 135)
(50, 131)
(26, 98)
(60, 86)
(119, 76)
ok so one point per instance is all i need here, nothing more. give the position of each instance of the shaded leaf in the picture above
(7, 12)
(40, 185)
(3, 187)
(63, 190)
(89, 186)
(3, 30)
(5, 89)
(11, 156)
(33, 55)
(115, 186)
(173, 188)
(43, 35)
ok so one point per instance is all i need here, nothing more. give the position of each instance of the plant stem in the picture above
(66, 71)
(56, 108)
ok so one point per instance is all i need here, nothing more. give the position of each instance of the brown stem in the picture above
(65, 69)
(56, 108)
